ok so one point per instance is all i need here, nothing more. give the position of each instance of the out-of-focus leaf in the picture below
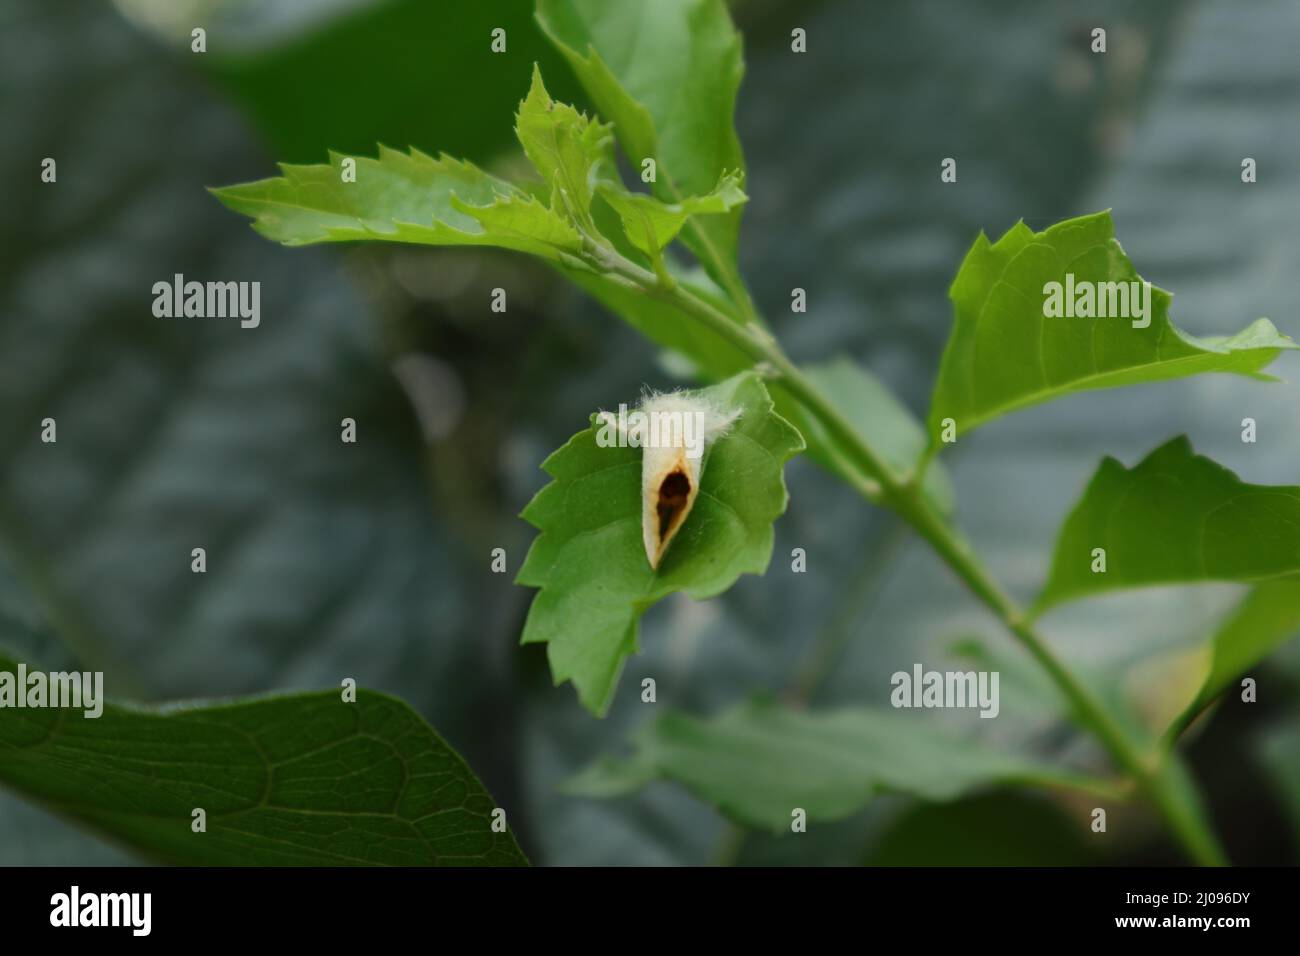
(666, 75)
(181, 433)
(404, 61)
(884, 422)
(1267, 617)
(1174, 518)
(1279, 752)
(710, 356)
(589, 559)
(1004, 828)
(758, 762)
(401, 197)
(300, 779)
(1004, 354)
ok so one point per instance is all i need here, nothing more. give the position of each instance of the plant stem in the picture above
(1164, 782)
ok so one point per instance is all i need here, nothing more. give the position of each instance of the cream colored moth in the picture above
(673, 430)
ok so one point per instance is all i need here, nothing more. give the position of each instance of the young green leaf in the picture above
(292, 780)
(1005, 353)
(1175, 518)
(570, 150)
(401, 197)
(666, 75)
(757, 762)
(589, 559)
(651, 224)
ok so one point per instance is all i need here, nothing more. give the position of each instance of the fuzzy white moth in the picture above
(673, 430)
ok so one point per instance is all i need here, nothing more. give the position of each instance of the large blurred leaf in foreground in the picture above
(182, 433)
(301, 779)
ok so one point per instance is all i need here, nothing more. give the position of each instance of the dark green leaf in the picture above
(1004, 828)
(301, 779)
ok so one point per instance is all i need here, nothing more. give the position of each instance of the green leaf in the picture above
(651, 224)
(401, 197)
(293, 780)
(1175, 518)
(757, 762)
(1001, 828)
(589, 559)
(1003, 354)
(1277, 751)
(713, 357)
(568, 149)
(402, 61)
(1266, 618)
(885, 423)
(666, 75)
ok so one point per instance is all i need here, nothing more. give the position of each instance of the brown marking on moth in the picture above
(670, 484)
(673, 495)
(670, 476)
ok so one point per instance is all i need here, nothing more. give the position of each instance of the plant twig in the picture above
(1165, 782)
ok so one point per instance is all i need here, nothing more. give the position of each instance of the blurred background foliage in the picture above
(371, 560)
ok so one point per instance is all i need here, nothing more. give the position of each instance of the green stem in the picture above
(1164, 782)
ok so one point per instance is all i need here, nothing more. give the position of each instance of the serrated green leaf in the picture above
(757, 762)
(1174, 518)
(568, 149)
(884, 423)
(589, 559)
(1003, 354)
(651, 224)
(292, 780)
(666, 75)
(401, 197)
